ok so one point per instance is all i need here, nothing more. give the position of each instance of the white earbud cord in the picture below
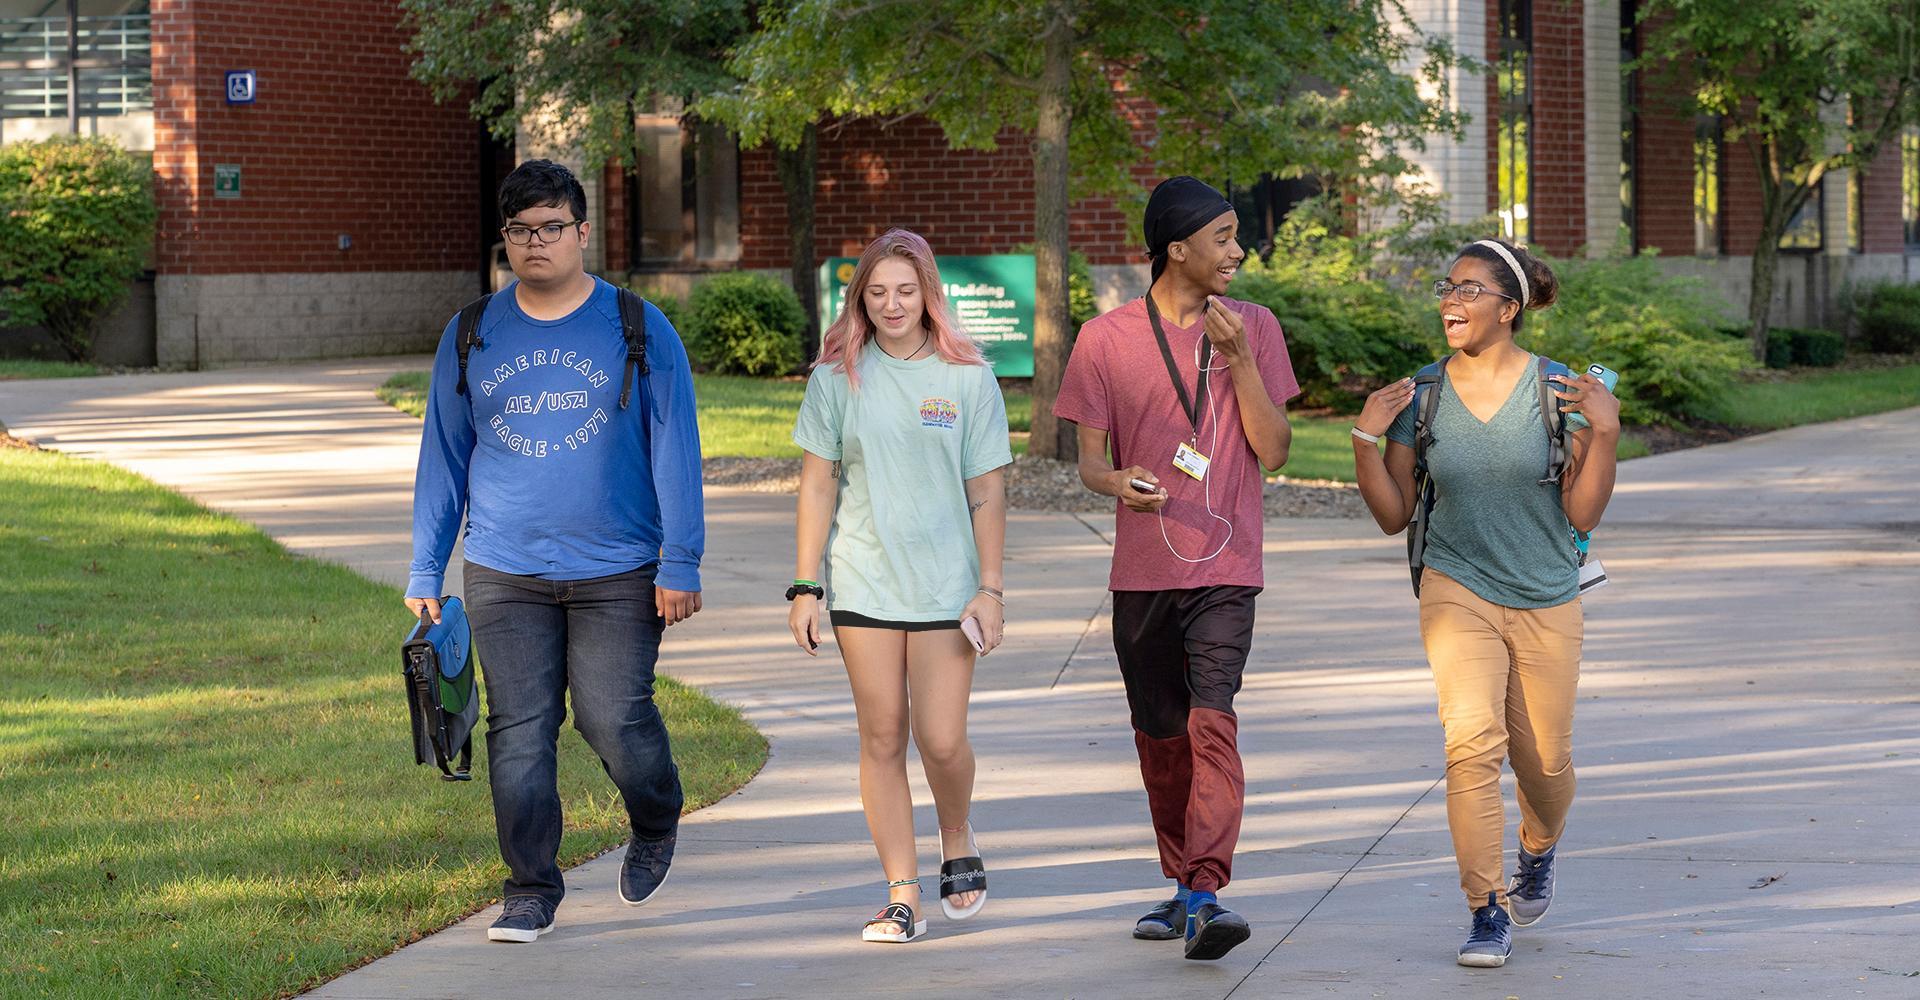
(1206, 482)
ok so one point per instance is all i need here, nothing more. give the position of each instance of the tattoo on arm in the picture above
(974, 508)
(833, 471)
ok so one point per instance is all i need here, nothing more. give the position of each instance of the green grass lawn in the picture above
(740, 416)
(1810, 396)
(749, 417)
(20, 368)
(206, 782)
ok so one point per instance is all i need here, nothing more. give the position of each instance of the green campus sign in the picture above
(991, 298)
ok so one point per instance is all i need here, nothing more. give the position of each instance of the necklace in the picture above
(916, 351)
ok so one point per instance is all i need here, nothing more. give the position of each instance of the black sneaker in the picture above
(1530, 891)
(645, 869)
(1491, 940)
(523, 919)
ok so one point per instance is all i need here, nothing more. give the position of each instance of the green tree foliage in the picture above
(587, 67)
(1806, 86)
(76, 224)
(1657, 330)
(589, 63)
(1222, 89)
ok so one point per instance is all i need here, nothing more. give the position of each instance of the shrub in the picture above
(76, 224)
(1788, 345)
(1780, 347)
(744, 323)
(1815, 348)
(1345, 340)
(1890, 320)
(1660, 332)
(673, 307)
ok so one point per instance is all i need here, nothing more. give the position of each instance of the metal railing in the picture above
(115, 64)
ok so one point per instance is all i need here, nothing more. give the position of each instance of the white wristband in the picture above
(1364, 436)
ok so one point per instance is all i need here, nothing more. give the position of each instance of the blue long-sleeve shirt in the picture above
(555, 479)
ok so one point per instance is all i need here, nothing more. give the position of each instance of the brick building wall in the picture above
(963, 201)
(339, 141)
(1559, 174)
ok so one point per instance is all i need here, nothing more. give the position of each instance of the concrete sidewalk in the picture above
(1749, 711)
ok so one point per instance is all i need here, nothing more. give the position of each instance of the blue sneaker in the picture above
(645, 869)
(1530, 891)
(1491, 939)
(522, 919)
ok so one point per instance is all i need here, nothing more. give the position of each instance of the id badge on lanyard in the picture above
(1187, 458)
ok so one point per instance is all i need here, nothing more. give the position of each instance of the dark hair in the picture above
(1159, 267)
(1542, 288)
(541, 182)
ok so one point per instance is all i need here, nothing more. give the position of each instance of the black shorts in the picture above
(1181, 649)
(857, 620)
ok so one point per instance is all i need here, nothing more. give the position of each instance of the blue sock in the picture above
(1181, 892)
(1199, 898)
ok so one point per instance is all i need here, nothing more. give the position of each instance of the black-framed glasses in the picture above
(550, 233)
(1469, 290)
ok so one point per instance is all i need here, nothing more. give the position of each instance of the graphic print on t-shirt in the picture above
(538, 437)
(937, 412)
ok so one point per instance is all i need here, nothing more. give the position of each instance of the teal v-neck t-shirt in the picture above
(1496, 528)
(907, 440)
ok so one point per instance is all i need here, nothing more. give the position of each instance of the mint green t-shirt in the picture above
(907, 440)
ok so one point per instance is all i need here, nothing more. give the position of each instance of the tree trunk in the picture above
(1766, 258)
(796, 169)
(1051, 438)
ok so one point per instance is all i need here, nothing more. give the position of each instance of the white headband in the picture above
(1512, 263)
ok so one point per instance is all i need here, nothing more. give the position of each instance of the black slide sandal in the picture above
(1172, 913)
(1216, 931)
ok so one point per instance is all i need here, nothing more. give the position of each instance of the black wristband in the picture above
(803, 588)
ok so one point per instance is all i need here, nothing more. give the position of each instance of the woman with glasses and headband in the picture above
(905, 445)
(1499, 593)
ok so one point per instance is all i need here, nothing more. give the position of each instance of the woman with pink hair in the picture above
(902, 490)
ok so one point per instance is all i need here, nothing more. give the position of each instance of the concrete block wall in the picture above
(211, 320)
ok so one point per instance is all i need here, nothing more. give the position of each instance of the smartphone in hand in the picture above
(1142, 486)
(970, 627)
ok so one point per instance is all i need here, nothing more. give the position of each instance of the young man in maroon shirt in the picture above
(1189, 388)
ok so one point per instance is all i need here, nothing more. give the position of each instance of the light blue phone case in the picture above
(1609, 378)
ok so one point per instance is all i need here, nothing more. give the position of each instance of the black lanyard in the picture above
(1196, 404)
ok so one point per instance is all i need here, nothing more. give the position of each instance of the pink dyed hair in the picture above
(850, 333)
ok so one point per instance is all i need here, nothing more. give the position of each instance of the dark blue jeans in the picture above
(535, 640)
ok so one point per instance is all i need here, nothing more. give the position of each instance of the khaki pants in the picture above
(1506, 679)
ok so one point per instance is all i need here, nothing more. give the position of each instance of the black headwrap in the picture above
(1177, 209)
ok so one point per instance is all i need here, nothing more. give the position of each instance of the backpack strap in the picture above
(1557, 452)
(1426, 403)
(467, 335)
(633, 326)
(1556, 421)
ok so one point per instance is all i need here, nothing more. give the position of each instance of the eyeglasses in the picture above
(1469, 290)
(550, 233)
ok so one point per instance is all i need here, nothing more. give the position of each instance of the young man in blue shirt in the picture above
(579, 476)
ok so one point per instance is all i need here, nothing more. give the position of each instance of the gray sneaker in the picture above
(522, 919)
(1530, 891)
(1490, 941)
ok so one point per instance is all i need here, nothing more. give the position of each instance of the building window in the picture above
(1910, 185)
(1265, 204)
(1513, 84)
(683, 193)
(1807, 229)
(1708, 149)
(1629, 51)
